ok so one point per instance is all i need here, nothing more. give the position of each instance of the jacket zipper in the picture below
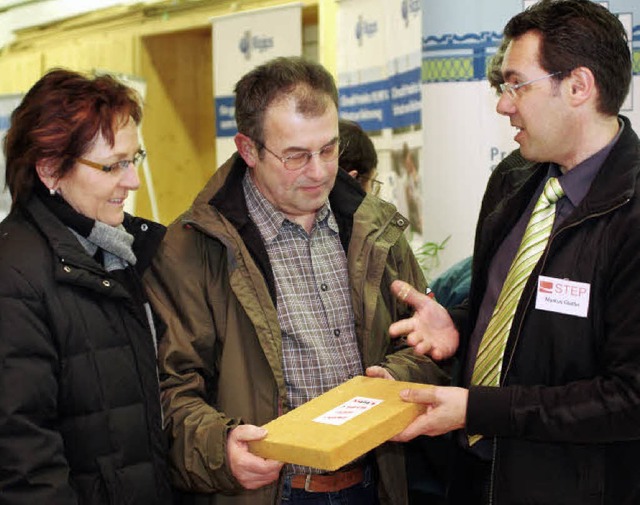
(493, 469)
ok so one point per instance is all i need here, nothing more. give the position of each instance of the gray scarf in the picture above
(114, 241)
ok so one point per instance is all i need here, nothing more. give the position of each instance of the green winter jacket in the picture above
(221, 358)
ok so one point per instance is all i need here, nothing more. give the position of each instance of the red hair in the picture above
(57, 122)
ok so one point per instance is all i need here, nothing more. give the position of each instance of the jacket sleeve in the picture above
(33, 467)
(401, 360)
(175, 284)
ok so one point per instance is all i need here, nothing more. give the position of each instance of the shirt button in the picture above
(323, 287)
(66, 268)
(336, 332)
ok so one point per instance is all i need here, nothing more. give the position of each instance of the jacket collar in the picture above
(617, 179)
(147, 236)
(224, 192)
(614, 184)
(223, 196)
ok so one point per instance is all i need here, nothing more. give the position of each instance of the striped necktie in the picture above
(488, 367)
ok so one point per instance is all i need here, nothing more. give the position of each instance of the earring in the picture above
(52, 191)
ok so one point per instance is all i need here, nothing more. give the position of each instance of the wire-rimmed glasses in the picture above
(511, 89)
(374, 185)
(299, 159)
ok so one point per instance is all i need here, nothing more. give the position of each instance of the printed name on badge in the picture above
(563, 296)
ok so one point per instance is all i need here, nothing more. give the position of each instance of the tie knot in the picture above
(553, 190)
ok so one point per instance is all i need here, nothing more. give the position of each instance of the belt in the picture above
(329, 483)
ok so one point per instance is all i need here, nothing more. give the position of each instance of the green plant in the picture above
(428, 256)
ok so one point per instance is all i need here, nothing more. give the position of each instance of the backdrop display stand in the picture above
(241, 42)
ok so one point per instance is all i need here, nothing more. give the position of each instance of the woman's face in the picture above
(97, 194)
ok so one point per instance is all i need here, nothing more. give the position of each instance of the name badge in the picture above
(563, 296)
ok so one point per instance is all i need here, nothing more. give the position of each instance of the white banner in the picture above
(404, 61)
(379, 65)
(241, 42)
(363, 77)
(7, 104)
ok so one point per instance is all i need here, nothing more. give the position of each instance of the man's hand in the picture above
(250, 470)
(446, 411)
(379, 372)
(430, 330)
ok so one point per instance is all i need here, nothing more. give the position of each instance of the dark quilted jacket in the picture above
(80, 418)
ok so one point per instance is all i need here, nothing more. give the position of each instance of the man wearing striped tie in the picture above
(548, 408)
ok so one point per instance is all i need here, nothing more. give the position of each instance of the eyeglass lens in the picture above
(326, 154)
(138, 158)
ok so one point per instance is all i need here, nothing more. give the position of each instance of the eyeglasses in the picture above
(507, 87)
(374, 185)
(137, 160)
(299, 160)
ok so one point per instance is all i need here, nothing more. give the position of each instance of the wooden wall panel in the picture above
(105, 52)
(19, 71)
(178, 126)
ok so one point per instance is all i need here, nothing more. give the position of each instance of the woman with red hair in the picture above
(80, 418)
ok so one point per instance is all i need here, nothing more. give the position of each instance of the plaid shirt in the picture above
(319, 344)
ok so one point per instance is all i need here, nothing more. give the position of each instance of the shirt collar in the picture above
(577, 181)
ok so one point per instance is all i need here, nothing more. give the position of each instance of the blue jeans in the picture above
(364, 493)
